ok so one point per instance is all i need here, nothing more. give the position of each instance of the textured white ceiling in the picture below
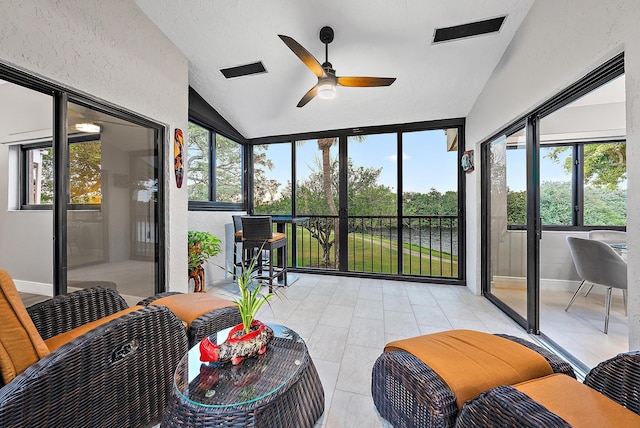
(380, 38)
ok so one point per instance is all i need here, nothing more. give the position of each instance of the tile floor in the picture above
(347, 321)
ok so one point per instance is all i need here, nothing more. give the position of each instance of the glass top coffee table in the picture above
(278, 388)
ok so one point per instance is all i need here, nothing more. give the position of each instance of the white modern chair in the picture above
(608, 236)
(597, 263)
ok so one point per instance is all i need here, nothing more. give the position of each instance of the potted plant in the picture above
(201, 247)
(251, 299)
(251, 336)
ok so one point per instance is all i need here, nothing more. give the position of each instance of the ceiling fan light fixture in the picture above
(326, 89)
(90, 128)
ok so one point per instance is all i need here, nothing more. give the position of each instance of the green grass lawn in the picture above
(374, 254)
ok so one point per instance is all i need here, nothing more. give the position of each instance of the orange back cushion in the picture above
(20, 342)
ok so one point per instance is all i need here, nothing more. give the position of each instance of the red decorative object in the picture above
(178, 160)
(238, 344)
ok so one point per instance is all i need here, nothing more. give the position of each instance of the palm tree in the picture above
(324, 145)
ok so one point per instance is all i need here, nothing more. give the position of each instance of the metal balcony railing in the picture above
(428, 245)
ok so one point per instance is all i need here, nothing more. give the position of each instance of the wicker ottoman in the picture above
(201, 313)
(409, 393)
(554, 401)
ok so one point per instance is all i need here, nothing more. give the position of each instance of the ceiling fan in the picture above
(327, 79)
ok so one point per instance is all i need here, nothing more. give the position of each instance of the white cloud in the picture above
(394, 158)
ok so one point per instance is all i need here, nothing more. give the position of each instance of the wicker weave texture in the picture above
(117, 375)
(408, 393)
(66, 312)
(619, 379)
(299, 403)
(257, 228)
(505, 406)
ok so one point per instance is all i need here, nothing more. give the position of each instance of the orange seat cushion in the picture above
(191, 306)
(20, 343)
(55, 342)
(275, 237)
(578, 404)
(471, 362)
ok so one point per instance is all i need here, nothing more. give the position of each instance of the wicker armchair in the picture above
(118, 374)
(408, 393)
(617, 378)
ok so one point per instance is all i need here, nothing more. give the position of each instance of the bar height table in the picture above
(281, 222)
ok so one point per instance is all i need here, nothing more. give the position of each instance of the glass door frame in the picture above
(531, 121)
(61, 182)
(60, 97)
(531, 322)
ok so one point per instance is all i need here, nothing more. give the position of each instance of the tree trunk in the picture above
(325, 144)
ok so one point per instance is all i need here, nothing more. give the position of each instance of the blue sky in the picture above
(427, 164)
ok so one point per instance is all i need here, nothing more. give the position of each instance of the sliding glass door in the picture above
(558, 172)
(111, 214)
(505, 198)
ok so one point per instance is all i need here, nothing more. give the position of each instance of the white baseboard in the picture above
(520, 283)
(41, 288)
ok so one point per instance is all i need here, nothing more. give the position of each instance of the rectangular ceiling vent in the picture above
(472, 29)
(243, 70)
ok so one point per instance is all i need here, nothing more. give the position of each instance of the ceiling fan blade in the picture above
(308, 96)
(365, 81)
(304, 55)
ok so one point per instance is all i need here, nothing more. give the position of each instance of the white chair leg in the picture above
(607, 309)
(574, 296)
(589, 290)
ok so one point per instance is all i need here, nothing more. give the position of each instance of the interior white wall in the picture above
(219, 224)
(559, 42)
(112, 51)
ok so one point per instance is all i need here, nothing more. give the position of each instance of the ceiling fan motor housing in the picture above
(326, 35)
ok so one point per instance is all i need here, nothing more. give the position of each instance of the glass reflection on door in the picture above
(507, 235)
(111, 212)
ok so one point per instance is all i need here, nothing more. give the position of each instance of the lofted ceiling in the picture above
(379, 38)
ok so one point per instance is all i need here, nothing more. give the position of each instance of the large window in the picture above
(214, 169)
(85, 173)
(272, 178)
(583, 171)
(380, 203)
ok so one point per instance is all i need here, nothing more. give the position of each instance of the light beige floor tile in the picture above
(431, 315)
(366, 332)
(370, 290)
(372, 309)
(328, 373)
(327, 343)
(337, 316)
(355, 369)
(344, 297)
(400, 323)
(454, 309)
(349, 410)
(315, 302)
(397, 303)
(422, 297)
